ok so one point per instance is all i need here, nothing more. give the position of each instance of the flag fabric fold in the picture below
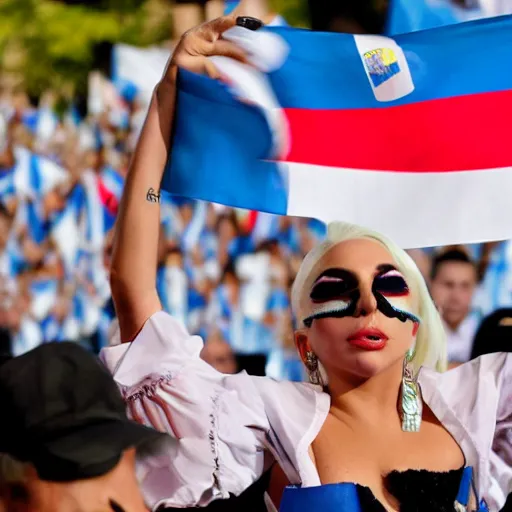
(406, 135)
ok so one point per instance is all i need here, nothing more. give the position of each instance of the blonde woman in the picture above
(377, 416)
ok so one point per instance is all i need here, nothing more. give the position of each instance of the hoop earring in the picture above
(312, 368)
(411, 403)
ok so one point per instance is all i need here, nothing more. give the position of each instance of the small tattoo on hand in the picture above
(153, 196)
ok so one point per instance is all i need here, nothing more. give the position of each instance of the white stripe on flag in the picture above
(141, 66)
(52, 174)
(43, 301)
(66, 237)
(22, 172)
(414, 209)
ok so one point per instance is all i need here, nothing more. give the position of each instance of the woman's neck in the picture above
(370, 399)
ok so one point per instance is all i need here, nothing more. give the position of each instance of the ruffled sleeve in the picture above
(219, 420)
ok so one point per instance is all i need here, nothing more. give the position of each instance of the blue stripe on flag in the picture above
(30, 119)
(36, 224)
(240, 131)
(34, 174)
(467, 58)
(7, 189)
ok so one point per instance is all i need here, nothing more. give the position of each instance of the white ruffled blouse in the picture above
(231, 428)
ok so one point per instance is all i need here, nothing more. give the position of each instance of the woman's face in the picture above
(362, 315)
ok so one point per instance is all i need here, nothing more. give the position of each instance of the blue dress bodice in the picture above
(416, 491)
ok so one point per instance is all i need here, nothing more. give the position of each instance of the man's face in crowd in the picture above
(117, 491)
(452, 290)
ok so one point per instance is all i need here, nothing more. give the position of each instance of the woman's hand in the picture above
(202, 42)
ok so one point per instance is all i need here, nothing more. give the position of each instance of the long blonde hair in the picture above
(430, 349)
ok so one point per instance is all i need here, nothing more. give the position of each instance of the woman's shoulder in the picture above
(472, 398)
(487, 371)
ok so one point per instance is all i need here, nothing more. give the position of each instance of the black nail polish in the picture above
(116, 507)
(249, 23)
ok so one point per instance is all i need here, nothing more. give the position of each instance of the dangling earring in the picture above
(411, 404)
(312, 367)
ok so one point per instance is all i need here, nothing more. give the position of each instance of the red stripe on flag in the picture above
(454, 134)
(107, 198)
(250, 222)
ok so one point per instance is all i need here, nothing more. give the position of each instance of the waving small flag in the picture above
(35, 175)
(409, 136)
(110, 189)
(7, 189)
(136, 71)
(65, 230)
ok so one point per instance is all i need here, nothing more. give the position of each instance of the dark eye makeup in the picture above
(340, 289)
(337, 283)
(333, 284)
(390, 284)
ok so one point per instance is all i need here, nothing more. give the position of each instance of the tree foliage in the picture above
(295, 12)
(50, 44)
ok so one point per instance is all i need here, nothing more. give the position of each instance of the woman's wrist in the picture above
(167, 85)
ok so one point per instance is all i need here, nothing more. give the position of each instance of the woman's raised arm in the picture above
(134, 263)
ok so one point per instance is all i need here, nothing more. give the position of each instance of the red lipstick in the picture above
(368, 339)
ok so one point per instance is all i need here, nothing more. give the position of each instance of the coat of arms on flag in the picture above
(382, 64)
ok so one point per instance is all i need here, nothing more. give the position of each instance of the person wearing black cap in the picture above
(64, 423)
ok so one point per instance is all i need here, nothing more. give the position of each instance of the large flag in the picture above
(409, 136)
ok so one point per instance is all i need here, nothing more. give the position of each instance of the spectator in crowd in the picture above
(423, 262)
(66, 441)
(218, 353)
(55, 237)
(5, 343)
(494, 334)
(453, 283)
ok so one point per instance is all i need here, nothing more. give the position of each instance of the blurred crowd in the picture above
(225, 273)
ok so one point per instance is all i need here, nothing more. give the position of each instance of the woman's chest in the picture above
(366, 455)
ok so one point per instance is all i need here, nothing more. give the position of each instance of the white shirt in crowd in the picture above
(460, 340)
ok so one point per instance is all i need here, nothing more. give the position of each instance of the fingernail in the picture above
(249, 23)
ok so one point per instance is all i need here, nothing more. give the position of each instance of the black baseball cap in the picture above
(62, 412)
